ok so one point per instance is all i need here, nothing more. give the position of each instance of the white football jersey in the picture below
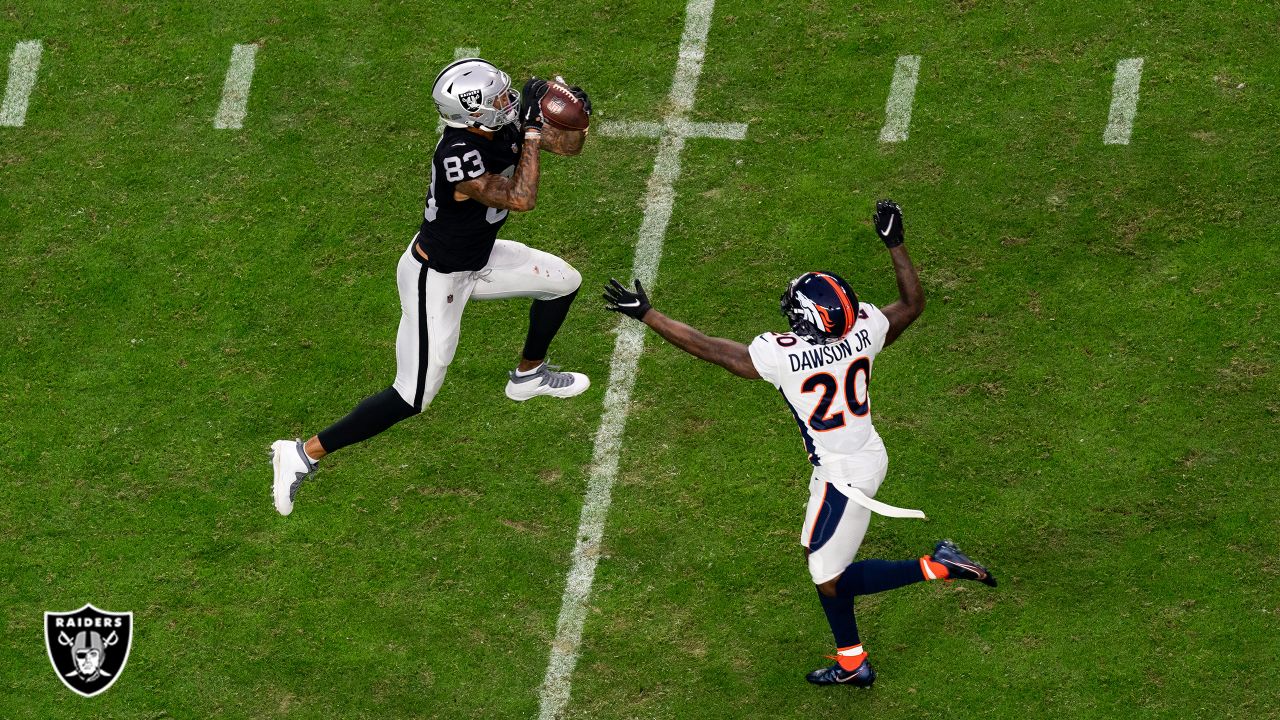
(826, 385)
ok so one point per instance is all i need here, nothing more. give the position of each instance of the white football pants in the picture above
(431, 306)
(835, 523)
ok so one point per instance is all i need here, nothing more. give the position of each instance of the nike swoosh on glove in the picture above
(619, 299)
(888, 222)
(531, 103)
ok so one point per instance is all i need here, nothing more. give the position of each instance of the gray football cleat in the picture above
(546, 380)
(291, 468)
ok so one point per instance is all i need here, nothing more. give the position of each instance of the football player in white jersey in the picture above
(823, 369)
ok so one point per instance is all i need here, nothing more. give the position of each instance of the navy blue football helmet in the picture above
(820, 306)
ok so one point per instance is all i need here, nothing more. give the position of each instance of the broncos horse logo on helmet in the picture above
(820, 306)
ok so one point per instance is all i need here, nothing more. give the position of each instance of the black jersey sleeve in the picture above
(459, 159)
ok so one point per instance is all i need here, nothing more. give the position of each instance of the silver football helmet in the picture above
(474, 93)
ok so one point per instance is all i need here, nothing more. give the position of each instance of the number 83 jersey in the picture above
(826, 386)
(458, 235)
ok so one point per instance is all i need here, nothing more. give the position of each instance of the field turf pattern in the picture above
(1089, 404)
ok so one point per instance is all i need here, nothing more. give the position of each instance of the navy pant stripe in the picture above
(833, 504)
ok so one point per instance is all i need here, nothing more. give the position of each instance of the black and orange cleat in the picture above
(861, 676)
(960, 566)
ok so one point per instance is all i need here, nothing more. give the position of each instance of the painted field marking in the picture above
(24, 65)
(235, 90)
(902, 93)
(659, 201)
(1124, 102)
(674, 126)
(458, 54)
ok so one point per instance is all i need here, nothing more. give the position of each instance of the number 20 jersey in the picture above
(826, 386)
(458, 235)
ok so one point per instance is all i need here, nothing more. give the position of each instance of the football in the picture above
(562, 110)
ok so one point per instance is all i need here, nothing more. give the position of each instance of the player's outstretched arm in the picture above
(910, 303)
(730, 355)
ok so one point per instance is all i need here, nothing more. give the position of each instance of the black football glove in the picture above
(888, 222)
(582, 95)
(531, 103)
(620, 299)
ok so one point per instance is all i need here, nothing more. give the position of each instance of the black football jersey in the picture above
(458, 235)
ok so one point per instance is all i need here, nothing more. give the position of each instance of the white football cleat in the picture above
(291, 467)
(546, 380)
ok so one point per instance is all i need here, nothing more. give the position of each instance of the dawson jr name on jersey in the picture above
(826, 385)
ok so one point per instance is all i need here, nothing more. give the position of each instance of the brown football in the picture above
(562, 110)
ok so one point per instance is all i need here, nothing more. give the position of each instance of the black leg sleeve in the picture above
(865, 577)
(373, 415)
(839, 610)
(545, 319)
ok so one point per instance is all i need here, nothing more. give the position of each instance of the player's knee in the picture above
(828, 588)
(572, 280)
(406, 395)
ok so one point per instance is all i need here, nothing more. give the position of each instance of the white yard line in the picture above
(628, 129)
(24, 65)
(1124, 102)
(659, 201)
(902, 93)
(681, 127)
(458, 54)
(235, 90)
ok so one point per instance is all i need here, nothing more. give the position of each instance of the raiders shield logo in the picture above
(88, 647)
(470, 100)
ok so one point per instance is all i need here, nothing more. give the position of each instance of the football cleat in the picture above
(861, 676)
(291, 468)
(546, 380)
(960, 566)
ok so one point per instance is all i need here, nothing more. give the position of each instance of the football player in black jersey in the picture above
(485, 165)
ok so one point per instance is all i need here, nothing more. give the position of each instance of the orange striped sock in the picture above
(933, 570)
(850, 657)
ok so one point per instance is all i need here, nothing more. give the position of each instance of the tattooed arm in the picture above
(518, 192)
(730, 355)
(563, 142)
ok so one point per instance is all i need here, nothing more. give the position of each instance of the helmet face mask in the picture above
(820, 307)
(474, 93)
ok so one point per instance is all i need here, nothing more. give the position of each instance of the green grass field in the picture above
(1090, 403)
